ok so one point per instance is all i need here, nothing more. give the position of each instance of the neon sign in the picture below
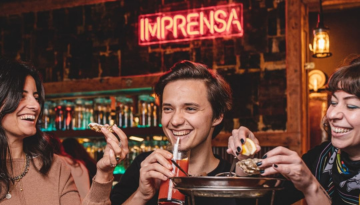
(202, 23)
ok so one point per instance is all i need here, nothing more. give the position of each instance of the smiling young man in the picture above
(193, 102)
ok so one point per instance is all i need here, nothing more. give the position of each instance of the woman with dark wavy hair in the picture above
(29, 171)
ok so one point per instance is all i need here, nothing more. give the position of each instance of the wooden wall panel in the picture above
(295, 73)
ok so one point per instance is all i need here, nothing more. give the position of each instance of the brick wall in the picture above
(100, 39)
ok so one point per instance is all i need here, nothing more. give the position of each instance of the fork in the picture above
(232, 167)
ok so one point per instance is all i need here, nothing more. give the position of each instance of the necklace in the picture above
(19, 177)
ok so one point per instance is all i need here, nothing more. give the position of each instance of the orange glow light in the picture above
(202, 23)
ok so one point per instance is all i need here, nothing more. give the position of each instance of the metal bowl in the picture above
(240, 187)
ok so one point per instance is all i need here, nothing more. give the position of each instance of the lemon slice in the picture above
(248, 148)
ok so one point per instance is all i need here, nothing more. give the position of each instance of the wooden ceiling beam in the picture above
(313, 5)
(26, 6)
(331, 2)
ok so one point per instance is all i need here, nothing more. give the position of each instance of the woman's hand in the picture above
(154, 169)
(115, 151)
(237, 139)
(288, 163)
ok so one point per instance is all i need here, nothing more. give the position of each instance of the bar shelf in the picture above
(143, 132)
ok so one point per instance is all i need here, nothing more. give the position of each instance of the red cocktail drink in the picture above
(167, 194)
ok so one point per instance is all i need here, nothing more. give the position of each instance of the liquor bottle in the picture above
(59, 115)
(78, 114)
(143, 111)
(119, 112)
(68, 115)
(98, 110)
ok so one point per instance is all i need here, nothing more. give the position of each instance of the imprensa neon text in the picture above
(203, 23)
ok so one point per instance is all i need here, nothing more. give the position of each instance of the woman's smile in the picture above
(28, 117)
(339, 131)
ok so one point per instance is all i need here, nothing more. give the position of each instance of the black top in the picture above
(130, 181)
(316, 160)
(290, 194)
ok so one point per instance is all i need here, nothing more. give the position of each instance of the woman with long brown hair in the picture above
(29, 171)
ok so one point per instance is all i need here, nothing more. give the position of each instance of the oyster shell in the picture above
(97, 127)
(249, 166)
